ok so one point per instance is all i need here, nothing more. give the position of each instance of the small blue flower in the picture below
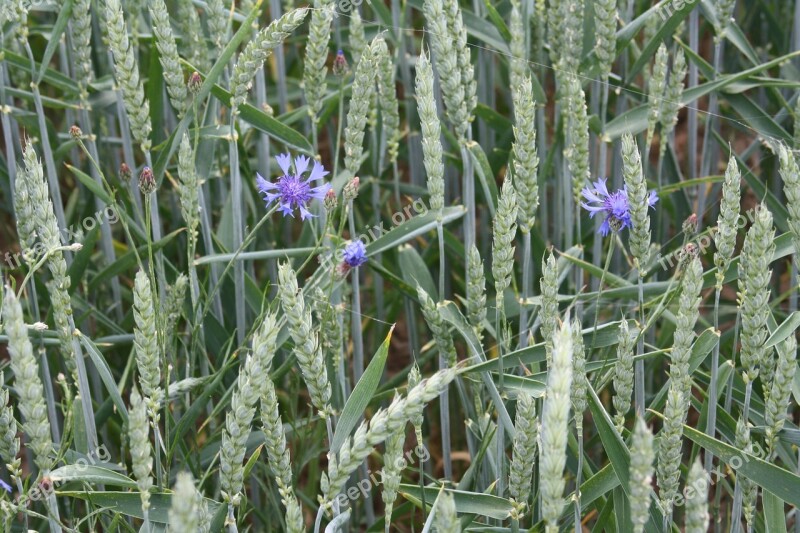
(5, 485)
(291, 190)
(355, 254)
(614, 205)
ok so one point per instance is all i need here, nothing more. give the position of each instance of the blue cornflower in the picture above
(355, 254)
(614, 205)
(5, 485)
(291, 191)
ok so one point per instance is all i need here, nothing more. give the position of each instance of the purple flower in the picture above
(355, 254)
(291, 190)
(614, 205)
(5, 485)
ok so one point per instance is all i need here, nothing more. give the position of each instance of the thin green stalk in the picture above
(712, 391)
(52, 512)
(154, 221)
(377, 280)
(500, 321)
(339, 130)
(123, 216)
(276, 11)
(469, 199)
(440, 234)
(355, 310)
(578, 472)
(638, 369)
(526, 288)
(708, 149)
(609, 254)
(602, 164)
(158, 441)
(238, 225)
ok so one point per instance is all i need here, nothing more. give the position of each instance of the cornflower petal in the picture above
(285, 162)
(317, 173)
(301, 164)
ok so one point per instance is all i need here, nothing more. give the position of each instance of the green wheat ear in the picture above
(381, 426)
(168, 55)
(141, 450)
(554, 431)
(363, 92)
(639, 237)
(697, 500)
(640, 474)
(431, 134)
(754, 276)
(446, 516)
(258, 50)
(393, 463)
(148, 353)
(28, 384)
(525, 156)
(278, 456)
(183, 514)
(524, 453)
(127, 73)
(314, 67)
(623, 374)
(678, 397)
(308, 350)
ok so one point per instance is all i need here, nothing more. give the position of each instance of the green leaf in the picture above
(450, 313)
(666, 29)
(497, 20)
(607, 335)
(415, 226)
(128, 261)
(130, 503)
(485, 176)
(597, 486)
(466, 502)
(88, 182)
(105, 375)
(91, 474)
(781, 483)
(265, 123)
(635, 120)
(787, 327)
(64, 14)
(617, 452)
(493, 119)
(254, 256)
(774, 516)
(415, 271)
(361, 396)
(613, 445)
(51, 76)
